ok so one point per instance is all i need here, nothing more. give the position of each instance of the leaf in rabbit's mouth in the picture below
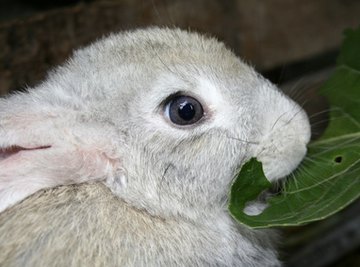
(7, 152)
(328, 179)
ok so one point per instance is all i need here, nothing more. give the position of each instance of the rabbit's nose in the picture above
(284, 145)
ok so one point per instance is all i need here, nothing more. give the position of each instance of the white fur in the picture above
(101, 116)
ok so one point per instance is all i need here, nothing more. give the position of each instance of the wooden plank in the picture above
(265, 33)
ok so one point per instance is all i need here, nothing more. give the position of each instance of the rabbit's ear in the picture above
(43, 151)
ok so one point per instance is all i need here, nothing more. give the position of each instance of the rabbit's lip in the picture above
(7, 152)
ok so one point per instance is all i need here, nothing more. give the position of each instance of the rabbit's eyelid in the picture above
(181, 93)
(164, 103)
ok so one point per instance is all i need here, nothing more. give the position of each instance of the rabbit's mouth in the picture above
(11, 151)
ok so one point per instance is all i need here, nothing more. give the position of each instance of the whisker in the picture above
(320, 113)
(244, 141)
(291, 119)
(278, 119)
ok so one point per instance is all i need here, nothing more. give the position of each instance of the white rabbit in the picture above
(154, 124)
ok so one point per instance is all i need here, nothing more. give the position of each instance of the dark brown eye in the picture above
(184, 110)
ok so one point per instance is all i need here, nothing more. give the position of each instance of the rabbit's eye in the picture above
(184, 110)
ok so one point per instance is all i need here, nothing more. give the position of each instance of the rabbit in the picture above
(124, 155)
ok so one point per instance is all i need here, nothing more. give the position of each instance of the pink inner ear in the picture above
(43, 151)
(8, 152)
(26, 170)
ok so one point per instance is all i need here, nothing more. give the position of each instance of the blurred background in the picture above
(294, 43)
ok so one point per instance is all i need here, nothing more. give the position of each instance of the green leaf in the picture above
(329, 178)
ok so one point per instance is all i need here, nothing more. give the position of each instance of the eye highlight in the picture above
(183, 110)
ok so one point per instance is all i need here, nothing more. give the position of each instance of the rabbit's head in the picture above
(165, 118)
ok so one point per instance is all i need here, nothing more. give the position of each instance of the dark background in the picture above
(294, 43)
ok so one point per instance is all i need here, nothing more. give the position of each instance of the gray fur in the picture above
(87, 225)
(126, 187)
